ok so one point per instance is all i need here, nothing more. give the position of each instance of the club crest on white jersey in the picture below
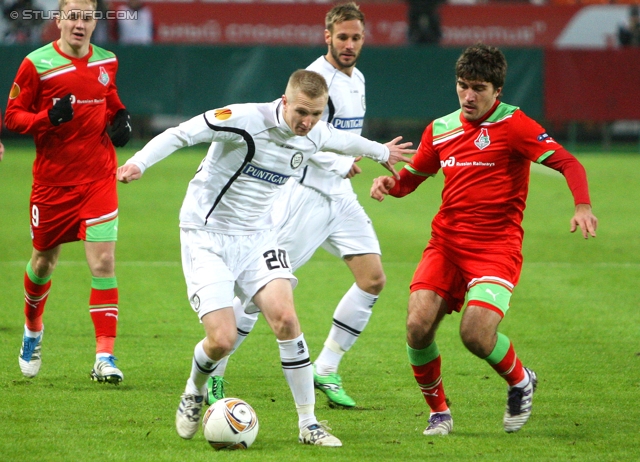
(296, 160)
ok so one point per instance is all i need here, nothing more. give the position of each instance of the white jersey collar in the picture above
(278, 108)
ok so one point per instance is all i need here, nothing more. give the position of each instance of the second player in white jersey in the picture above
(330, 215)
(320, 209)
(345, 111)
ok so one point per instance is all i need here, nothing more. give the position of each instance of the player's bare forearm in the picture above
(381, 187)
(584, 219)
(128, 173)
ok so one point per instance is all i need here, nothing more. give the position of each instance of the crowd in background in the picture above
(424, 24)
(30, 21)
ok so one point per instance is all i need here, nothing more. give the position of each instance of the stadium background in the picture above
(575, 314)
(566, 68)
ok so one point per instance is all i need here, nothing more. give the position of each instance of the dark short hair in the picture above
(482, 63)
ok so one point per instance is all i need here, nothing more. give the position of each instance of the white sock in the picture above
(329, 358)
(296, 366)
(201, 368)
(31, 333)
(244, 324)
(304, 420)
(349, 320)
(524, 382)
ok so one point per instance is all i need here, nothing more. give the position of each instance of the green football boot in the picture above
(331, 385)
(215, 389)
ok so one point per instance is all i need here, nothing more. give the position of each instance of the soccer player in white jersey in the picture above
(322, 207)
(228, 244)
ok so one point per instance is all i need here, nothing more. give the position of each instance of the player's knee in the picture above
(43, 266)
(373, 283)
(104, 265)
(285, 324)
(220, 343)
(289, 320)
(476, 339)
(418, 329)
(471, 341)
(225, 345)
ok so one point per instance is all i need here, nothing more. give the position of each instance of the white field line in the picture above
(552, 264)
(84, 263)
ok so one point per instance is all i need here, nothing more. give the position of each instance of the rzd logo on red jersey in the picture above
(450, 162)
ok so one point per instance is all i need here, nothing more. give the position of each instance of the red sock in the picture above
(510, 367)
(35, 297)
(429, 380)
(103, 307)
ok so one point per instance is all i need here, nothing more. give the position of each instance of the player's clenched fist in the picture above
(128, 173)
(381, 187)
(62, 111)
(120, 128)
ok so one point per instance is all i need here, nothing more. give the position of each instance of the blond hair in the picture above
(312, 84)
(341, 13)
(63, 3)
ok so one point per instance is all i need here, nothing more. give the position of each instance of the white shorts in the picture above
(306, 219)
(218, 266)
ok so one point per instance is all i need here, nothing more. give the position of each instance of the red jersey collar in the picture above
(73, 58)
(483, 118)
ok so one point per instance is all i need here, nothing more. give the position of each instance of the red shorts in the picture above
(60, 214)
(448, 270)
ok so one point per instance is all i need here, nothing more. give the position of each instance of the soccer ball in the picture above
(230, 423)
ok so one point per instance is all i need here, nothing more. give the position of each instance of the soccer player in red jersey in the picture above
(65, 95)
(484, 150)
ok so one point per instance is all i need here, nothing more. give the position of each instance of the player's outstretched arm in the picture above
(128, 173)
(585, 220)
(398, 153)
(381, 187)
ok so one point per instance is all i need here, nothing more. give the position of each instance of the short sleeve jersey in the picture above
(486, 165)
(345, 111)
(78, 151)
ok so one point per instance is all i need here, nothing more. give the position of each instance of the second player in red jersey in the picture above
(44, 78)
(65, 96)
(485, 150)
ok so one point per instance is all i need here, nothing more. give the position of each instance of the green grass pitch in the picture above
(575, 319)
